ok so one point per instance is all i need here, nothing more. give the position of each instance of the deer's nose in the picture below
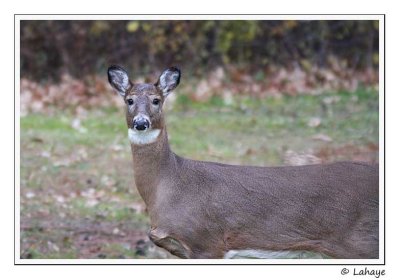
(141, 124)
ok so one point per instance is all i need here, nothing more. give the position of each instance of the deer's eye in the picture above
(130, 101)
(156, 101)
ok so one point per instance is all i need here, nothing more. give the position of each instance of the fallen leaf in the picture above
(314, 122)
(322, 137)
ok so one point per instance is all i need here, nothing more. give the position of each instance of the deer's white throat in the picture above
(143, 137)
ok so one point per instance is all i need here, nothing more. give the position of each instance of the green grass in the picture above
(77, 184)
(272, 124)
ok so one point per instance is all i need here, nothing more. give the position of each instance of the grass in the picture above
(263, 125)
(78, 198)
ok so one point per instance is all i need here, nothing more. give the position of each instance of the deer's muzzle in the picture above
(141, 123)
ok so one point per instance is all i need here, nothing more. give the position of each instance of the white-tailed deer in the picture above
(205, 209)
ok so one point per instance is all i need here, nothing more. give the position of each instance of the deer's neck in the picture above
(150, 161)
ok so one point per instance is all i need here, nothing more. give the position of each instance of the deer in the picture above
(206, 210)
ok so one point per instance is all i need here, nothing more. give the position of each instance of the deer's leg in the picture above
(171, 244)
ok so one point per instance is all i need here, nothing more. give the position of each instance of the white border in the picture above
(196, 17)
(381, 138)
(18, 18)
(17, 166)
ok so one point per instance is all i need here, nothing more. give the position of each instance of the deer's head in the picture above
(144, 102)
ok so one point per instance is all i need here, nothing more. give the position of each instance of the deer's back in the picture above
(304, 207)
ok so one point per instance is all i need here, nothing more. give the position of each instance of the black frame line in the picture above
(229, 264)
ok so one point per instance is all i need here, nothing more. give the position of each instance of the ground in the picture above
(78, 199)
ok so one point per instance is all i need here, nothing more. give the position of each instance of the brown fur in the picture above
(204, 209)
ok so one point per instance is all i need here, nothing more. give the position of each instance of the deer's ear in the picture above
(118, 78)
(169, 80)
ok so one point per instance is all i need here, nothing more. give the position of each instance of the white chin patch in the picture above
(143, 137)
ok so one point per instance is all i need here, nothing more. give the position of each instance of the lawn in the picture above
(78, 199)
